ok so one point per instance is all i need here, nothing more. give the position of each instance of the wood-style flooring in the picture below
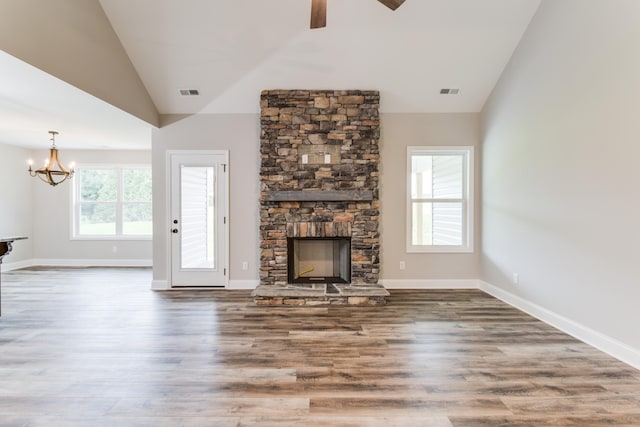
(96, 347)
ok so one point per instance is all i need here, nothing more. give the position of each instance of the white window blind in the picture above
(198, 216)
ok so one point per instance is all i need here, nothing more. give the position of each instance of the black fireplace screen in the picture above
(319, 260)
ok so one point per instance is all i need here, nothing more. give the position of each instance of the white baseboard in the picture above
(164, 285)
(596, 339)
(48, 262)
(429, 284)
(243, 284)
(8, 266)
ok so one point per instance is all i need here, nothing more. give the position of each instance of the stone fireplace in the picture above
(319, 205)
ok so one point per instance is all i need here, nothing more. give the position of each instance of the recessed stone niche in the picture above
(319, 180)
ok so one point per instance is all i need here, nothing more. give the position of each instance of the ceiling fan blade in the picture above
(392, 4)
(318, 13)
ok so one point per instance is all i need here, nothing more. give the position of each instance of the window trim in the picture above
(74, 207)
(467, 202)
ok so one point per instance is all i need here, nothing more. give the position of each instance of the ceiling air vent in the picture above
(189, 92)
(449, 91)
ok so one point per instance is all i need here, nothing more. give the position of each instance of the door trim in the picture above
(167, 220)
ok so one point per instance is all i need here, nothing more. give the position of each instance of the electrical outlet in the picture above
(245, 265)
(516, 278)
(403, 265)
(114, 249)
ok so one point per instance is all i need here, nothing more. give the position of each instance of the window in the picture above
(440, 199)
(112, 202)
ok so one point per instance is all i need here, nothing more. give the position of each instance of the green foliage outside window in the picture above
(137, 185)
(114, 201)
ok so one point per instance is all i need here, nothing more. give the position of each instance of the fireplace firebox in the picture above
(319, 260)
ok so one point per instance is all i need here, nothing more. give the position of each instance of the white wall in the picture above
(561, 146)
(398, 131)
(74, 41)
(238, 133)
(16, 203)
(52, 216)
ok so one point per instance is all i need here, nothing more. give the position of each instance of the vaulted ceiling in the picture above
(230, 50)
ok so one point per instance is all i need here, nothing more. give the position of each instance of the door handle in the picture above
(175, 230)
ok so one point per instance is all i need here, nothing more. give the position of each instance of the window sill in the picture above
(439, 250)
(112, 238)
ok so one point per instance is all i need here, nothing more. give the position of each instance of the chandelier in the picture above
(48, 173)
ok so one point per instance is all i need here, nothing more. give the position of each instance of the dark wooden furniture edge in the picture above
(5, 249)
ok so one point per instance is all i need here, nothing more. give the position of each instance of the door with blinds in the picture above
(199, 226)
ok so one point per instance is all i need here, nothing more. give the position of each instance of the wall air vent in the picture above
(189, 92)
(449, 91)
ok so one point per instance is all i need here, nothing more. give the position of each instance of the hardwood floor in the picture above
(96, 347)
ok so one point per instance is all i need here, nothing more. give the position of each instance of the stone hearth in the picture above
(319, 179)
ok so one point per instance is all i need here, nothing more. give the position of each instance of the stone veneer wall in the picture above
(291, 119)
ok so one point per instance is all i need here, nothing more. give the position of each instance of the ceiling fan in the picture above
(319, 11)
